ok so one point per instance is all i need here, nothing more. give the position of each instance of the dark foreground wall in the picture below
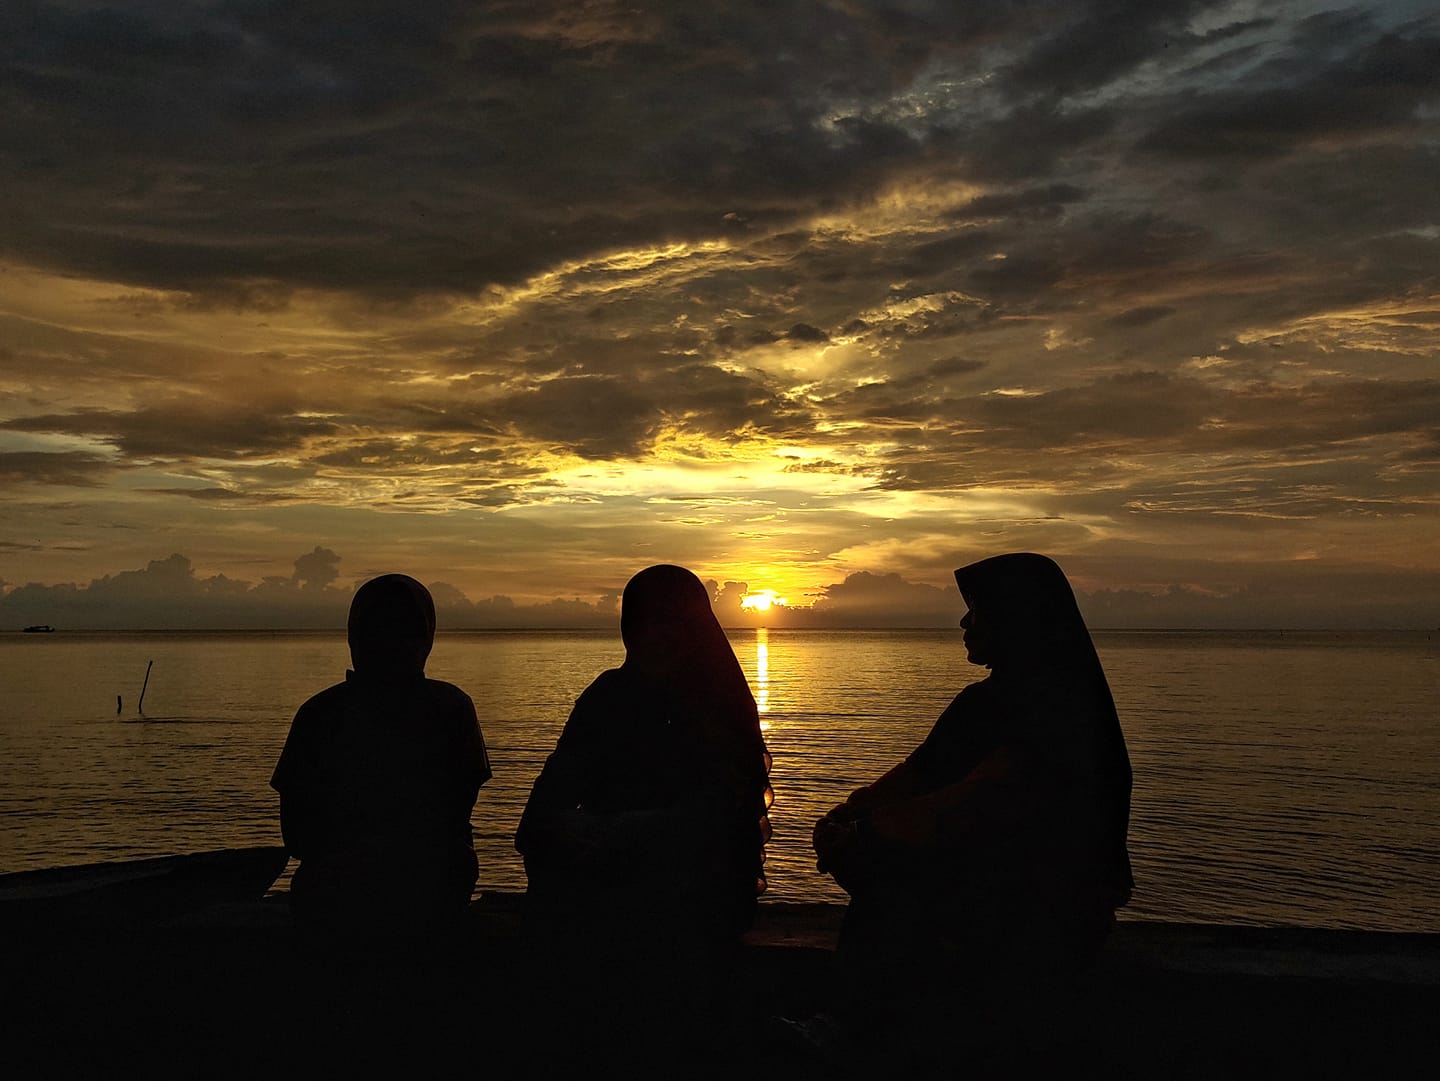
(229, 991)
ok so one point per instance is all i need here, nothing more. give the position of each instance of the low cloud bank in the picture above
(167, 594)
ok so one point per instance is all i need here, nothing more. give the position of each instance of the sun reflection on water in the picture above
(762, 675)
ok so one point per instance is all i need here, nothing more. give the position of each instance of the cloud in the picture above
(476, 103)
(317, 569)
(228, 495)
(1368, 94)
(864, 599)
(182, 428)
(1045, 202)
(1091, 44)
(75, 469)
(167, 594)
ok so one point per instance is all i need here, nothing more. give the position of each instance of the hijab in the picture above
(391, 628)
(668, 626)
(1046, 672)
(672, 637)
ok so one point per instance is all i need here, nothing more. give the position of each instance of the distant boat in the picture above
(40, 628)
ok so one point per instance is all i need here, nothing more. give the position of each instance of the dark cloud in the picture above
(1028, 142)
(166, 593)
(600, 416)
(887, 600)
(707, 399)
(935, 256)
(804, 332)
(1286, 451)
(148, 114)
(1370, 91)
(1268, 595)
(70, 468)
(1043, 202)
(594, 417)
(318, 568)
(184, 428)
(227, 495)
(1143, 316)
(1090, 44)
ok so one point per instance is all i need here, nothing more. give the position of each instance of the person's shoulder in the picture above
(608, 692)
(610, 683)
(447, 699)
(974, 700)
(325, 701)
(973, 694)
(317, 714)
(439, 689)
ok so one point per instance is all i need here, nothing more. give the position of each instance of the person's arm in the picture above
(297, 813)
(472, 759)
(839, 829)
(1002, 796)
(551, 809)
(901, 782)
(996, 802)
(552, 825)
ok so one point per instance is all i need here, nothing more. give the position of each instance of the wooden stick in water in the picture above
(140, 708)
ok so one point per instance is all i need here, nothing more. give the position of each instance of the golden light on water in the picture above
(762, 675)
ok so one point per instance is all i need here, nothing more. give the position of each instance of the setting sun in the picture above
(761, 600)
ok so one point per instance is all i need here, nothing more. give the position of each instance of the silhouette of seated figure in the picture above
(646, 828)
(991, 860)
(378, 778)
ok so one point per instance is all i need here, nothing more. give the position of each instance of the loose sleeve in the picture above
(560, 787)
(996, 802)
(473, 756)
(296, 780)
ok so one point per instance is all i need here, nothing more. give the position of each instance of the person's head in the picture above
(665, 619)
(1021, 609)
(391, 627)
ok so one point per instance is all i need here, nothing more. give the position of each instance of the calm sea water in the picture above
(1279, 778)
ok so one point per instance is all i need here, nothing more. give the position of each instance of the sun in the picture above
(761, 600)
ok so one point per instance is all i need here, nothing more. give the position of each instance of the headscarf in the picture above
(391, 628)
(1047, 672)
(670, 601)
(668, 625)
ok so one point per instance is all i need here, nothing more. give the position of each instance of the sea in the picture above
(1281, 778)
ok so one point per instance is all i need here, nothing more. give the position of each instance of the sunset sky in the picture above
(823, 298)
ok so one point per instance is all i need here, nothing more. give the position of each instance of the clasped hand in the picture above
(836, 839)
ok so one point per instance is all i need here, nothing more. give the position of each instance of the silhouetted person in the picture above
(988, 865)
(643, 836)
(378, 778)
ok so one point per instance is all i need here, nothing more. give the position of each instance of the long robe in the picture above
(998, 846)
(635, 818)
(651, 812)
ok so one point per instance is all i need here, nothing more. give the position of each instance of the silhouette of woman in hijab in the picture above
(649, 816)
(995, 854)
(378, 778)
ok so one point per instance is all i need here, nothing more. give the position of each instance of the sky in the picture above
(821, 300)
